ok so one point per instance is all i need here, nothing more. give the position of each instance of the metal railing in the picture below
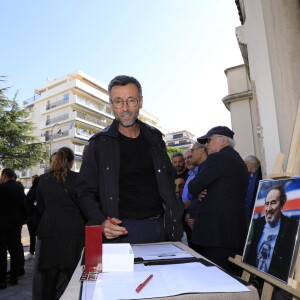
(84, 132)
(99, 121)
(32, 99)
(57, 103)
(56, 135)
(99, 107)
(57, 119)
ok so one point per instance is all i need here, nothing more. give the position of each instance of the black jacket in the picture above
(30, 204)
(284, 247)
(98, 180)
(220, 219)
(11, 204)
(61, 216)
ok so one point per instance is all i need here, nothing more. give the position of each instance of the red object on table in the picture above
(93, 252)
(142, 285)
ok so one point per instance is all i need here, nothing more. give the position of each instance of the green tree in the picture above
(172, 150)
(18, 149)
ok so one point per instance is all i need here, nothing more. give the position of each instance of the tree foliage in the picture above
(18, 149)
(172, 150)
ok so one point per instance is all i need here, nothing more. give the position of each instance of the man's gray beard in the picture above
(127, 124)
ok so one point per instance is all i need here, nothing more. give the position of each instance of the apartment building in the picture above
(67, 112)
(180, 139)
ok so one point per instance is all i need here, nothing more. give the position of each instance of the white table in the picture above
(73, 290)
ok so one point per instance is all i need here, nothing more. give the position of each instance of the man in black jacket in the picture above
(220, 220)
(11, 221)
(127, 175)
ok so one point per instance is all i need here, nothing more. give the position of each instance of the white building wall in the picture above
(270, 45)
(241, 114)
(253, 33)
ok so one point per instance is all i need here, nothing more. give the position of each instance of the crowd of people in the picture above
(127, 176)
(214, 194)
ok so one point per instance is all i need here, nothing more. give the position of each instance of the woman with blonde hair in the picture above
(61, 229)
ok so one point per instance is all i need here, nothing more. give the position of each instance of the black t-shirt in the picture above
(183, 175)
(138, 193)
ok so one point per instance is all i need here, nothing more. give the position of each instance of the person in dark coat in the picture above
(61, 229)
(11, 221)
(255, 175)
(33, 214)
(220, 220)
(127, 175)
(281, 229)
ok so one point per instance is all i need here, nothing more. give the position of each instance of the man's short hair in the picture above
(177, 154)
(200, 145)
(187, 151)
(9, 173)
(282, 197)
(122, 80)
(252, 159)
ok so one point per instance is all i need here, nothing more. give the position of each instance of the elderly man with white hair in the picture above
(219, 229)
(254, 170)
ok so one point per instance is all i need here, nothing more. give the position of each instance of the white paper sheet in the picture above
(88, 289)
(155, 252)
(168, 280)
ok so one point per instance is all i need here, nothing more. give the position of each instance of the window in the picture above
(177, 136)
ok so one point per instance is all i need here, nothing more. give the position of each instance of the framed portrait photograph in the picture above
(272, 241)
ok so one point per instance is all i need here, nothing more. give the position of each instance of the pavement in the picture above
(23, 290)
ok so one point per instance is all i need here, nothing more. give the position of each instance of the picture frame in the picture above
(272, 242)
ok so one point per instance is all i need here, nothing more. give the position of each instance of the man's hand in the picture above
(202, 195)
(112, 231)
(189, 221)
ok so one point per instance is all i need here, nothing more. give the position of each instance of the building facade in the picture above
(180, 139)
(243, 110)
(66, 112)
(264, 100)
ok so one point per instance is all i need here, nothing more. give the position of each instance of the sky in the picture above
(177, 49)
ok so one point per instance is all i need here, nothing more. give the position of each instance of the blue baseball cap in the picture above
(220, 130)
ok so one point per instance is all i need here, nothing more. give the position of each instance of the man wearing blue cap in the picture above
(219, 230)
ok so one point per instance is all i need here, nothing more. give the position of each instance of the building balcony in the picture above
(98, 121)
(57, 119)
(57, 103)
(31, 99)
(84, 133)
(55, 136)
(177, 137)
(101, 107)
(180, 144)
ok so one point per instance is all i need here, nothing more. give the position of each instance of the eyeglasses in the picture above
(131, 102)
(209, 139)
